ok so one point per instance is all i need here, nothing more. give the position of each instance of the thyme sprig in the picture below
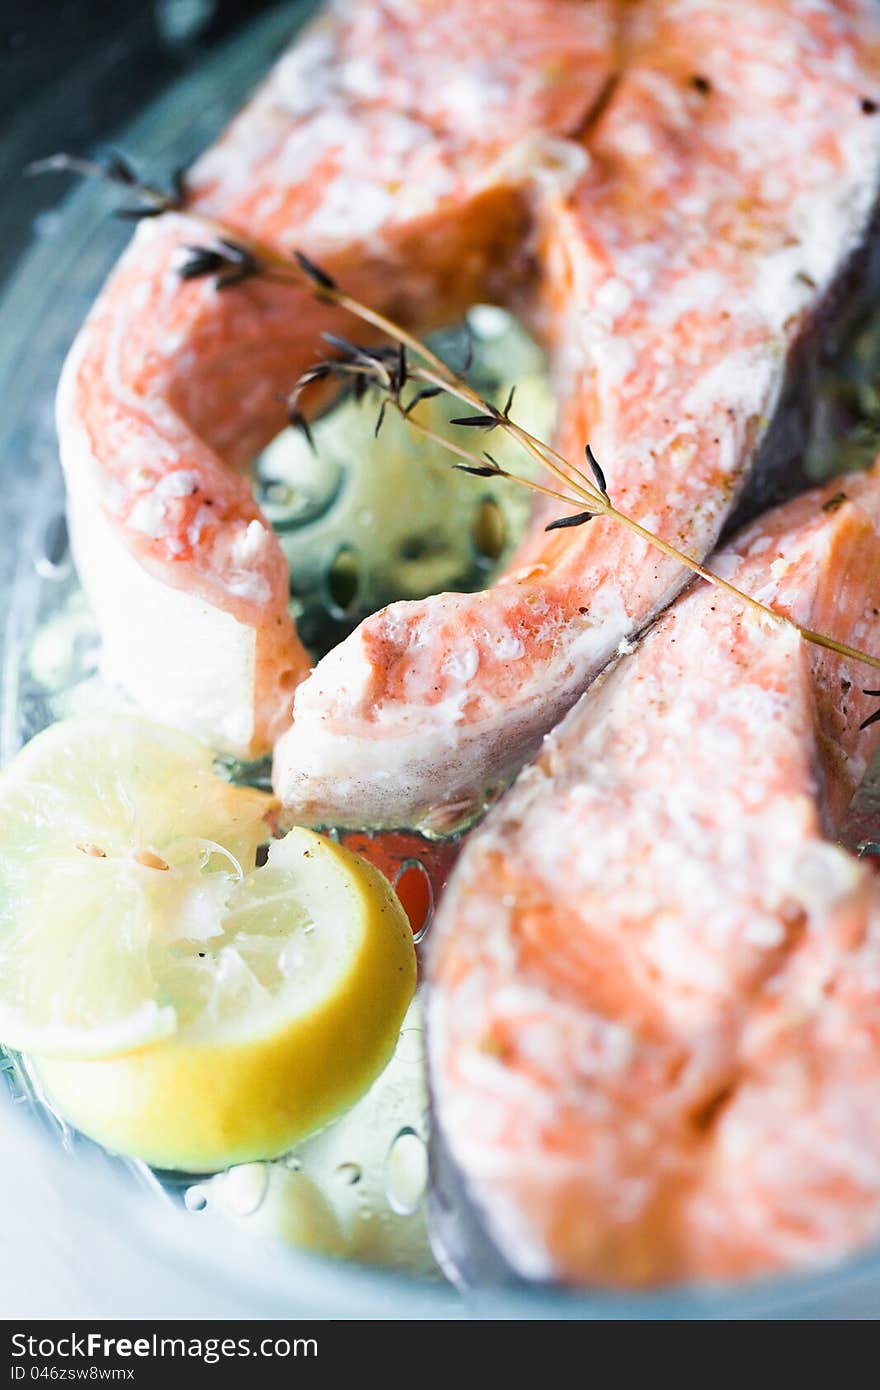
(428, 368)
(116, 169)
(232, 260)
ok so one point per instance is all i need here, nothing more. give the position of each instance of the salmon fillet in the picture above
(726, 178)
(384, 143)
(654, 1007)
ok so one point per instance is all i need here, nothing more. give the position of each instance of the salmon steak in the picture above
(668, 191)
(363, 147)
(654, 1009)
(725, 179)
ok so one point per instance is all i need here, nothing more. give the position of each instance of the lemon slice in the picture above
(118, 846)
(186, 1007)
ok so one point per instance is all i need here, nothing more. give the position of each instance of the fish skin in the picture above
(349, 152)
(679, 278)
(654, 981)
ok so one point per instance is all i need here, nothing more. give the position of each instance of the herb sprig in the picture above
(232, 260)
(116, 169)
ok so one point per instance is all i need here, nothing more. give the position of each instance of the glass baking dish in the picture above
(85, 1234)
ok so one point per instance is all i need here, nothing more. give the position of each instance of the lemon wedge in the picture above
(183, 1006)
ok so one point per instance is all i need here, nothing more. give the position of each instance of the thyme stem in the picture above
(586, 492)
(438, 373)
(427, 433)
(599, 502)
